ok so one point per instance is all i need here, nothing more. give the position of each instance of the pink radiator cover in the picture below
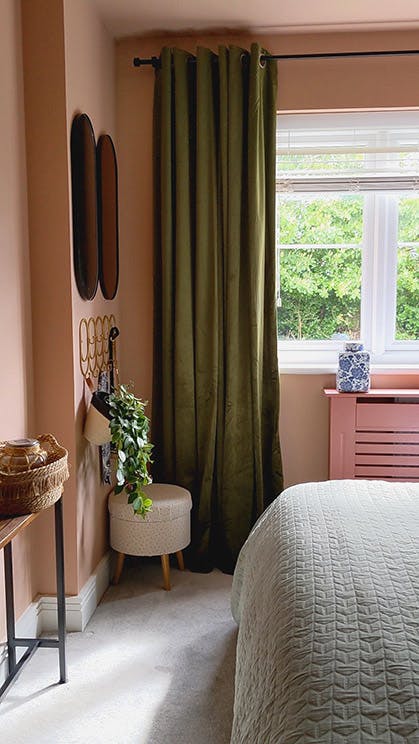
(374, 435)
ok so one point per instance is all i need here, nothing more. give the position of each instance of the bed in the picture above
(326, 595)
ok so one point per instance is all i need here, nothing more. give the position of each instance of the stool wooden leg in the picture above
(166, 571)
(179, 556)
(120, 557)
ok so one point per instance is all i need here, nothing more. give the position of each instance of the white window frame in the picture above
(379, 271)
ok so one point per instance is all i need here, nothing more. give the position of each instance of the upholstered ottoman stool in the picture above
(166, 529)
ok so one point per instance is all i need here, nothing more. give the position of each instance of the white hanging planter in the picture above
(96, 425)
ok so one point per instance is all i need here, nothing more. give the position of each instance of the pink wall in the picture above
(49, 240)
(90, 88)
(73, 72)
(16, 399)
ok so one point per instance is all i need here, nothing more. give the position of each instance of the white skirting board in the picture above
(79, 608)
(41, 615)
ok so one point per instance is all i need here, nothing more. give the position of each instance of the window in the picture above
(348, 236)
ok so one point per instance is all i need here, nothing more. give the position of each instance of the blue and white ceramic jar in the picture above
(353, 375)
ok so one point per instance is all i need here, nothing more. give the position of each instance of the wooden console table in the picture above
(9, 528)
(374, 435)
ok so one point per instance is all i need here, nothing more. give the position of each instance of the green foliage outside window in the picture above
(407, 307)
(320, 293)
(320, 288)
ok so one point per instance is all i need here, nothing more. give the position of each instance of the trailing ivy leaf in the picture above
(137, 504)
(129, 427)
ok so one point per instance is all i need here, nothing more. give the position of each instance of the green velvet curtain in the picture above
(216, 386)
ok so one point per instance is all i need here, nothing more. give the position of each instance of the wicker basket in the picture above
(29, 491)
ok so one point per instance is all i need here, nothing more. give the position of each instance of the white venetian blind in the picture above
(348, 152)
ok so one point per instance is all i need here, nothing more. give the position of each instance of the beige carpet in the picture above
(152, 667)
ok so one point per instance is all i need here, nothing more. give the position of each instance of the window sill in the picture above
(330, 369)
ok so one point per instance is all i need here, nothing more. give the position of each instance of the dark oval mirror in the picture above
(108, 217)
(84, 201)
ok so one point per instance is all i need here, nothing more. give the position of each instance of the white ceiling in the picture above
(130, 17)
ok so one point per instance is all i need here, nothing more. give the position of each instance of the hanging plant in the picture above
(129, 427)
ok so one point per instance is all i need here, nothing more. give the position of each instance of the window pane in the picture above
(409, 162)
(311, 164)
(323, 220)
(409, 220)
(320, 293)
(407, 307)
(320, 287)
(407, 302)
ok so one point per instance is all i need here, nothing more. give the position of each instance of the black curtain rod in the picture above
(155, 61)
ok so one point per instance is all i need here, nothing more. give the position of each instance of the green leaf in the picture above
(137, 503)
(129, 427)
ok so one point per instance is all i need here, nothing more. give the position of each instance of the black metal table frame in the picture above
(31, 644)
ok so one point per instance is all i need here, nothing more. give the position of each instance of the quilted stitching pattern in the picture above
(326, 592)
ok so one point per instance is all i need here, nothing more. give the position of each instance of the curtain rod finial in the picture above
(153, 62)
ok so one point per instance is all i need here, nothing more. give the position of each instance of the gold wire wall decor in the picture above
(94, 345)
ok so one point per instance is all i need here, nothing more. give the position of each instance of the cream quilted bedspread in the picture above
(326, 594)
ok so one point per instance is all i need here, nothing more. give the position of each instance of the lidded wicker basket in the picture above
(37, 487)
